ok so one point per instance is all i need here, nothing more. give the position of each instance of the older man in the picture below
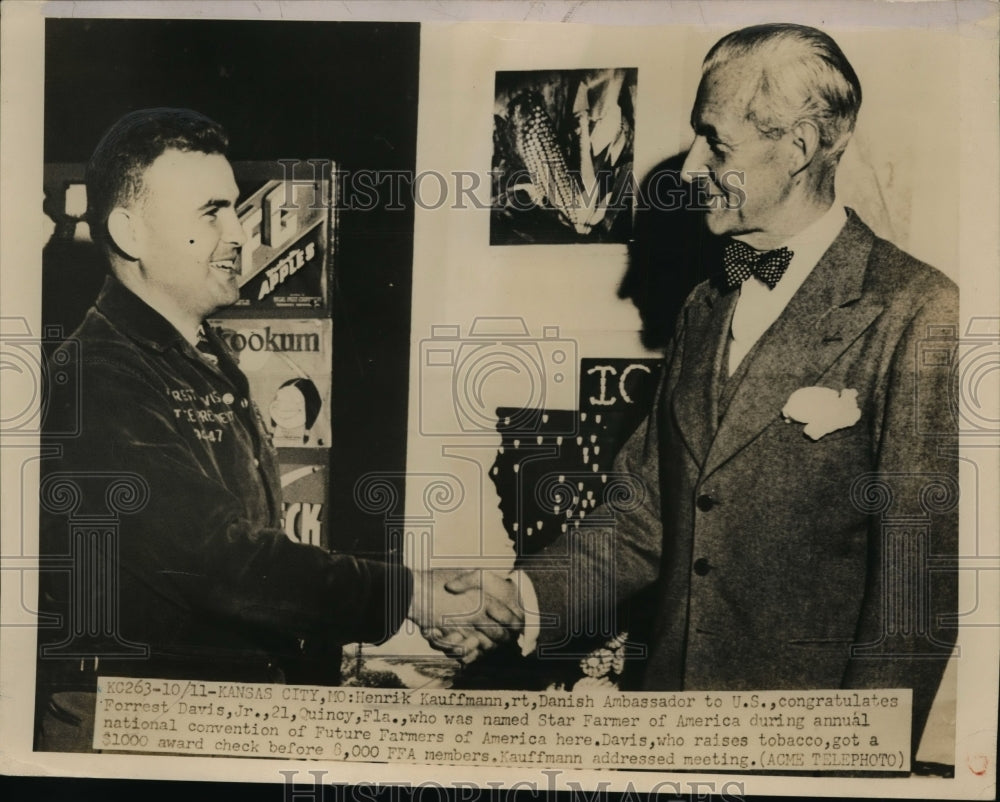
(201, 582)
(793, 411)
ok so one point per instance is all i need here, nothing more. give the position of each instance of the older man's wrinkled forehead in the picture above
(725, 96)
(729, 87)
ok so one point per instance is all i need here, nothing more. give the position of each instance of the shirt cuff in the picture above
(528, 639)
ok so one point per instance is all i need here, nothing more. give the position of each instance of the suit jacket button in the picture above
(701, 566)
(705, 502)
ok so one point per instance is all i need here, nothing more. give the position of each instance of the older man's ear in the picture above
(804, 140)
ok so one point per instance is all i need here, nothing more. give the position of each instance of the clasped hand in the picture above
(464, 613)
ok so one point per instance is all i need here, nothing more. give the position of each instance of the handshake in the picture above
(465, 612)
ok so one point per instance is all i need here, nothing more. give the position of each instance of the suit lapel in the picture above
(820, 322)
(695, 399)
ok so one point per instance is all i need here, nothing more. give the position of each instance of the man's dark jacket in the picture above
(198, 572)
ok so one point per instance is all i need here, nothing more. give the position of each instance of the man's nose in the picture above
(233, 232)
(695, 167)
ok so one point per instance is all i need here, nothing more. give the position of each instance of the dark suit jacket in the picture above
(783, 562)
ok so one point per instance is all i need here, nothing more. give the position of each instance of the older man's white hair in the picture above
(800, 73)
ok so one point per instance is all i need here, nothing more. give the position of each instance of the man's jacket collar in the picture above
(135, 317)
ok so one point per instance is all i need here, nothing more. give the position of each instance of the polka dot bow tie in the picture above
(740, 261)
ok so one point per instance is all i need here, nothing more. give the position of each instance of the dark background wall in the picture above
(342, 91)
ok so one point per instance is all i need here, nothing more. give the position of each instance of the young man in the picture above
(199, 580)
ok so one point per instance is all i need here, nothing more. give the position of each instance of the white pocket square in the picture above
(822, 410)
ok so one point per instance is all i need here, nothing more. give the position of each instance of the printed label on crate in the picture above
(304, 488)
(285, 256)
(287, 362)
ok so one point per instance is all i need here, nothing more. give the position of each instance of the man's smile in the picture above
(231, 265)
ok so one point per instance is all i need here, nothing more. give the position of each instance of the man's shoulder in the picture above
(888, 275)
(99, 349)
(899, 277)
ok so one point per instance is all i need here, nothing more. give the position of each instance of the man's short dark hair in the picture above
(115, 171)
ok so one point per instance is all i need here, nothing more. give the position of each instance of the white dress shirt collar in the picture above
(758, 307)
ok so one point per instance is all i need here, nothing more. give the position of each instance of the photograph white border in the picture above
(976, 164)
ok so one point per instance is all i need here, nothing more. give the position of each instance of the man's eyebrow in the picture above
(704, 129)
(215, 203)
